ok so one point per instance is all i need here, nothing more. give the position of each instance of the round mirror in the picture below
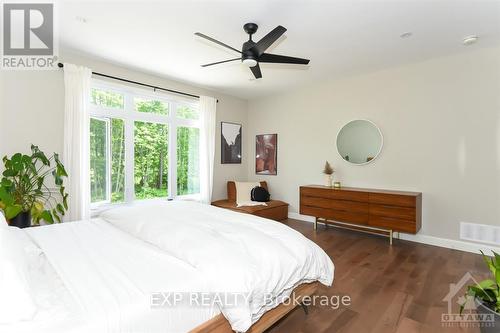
(359, 142)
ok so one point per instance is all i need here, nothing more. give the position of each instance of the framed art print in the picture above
(230, 143)
(266, 154)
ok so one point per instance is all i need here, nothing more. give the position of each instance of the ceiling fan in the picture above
(253, 53)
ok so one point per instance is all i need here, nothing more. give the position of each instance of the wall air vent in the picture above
(482, 233)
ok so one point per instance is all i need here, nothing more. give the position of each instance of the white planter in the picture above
(329, 180)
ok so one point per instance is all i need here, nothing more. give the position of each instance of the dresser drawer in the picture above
(399, 212)
(393, 199)
(393, 223)
(336, 215)
(334, 194)
(343, 205)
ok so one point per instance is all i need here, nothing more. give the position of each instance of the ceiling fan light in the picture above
(249, 62)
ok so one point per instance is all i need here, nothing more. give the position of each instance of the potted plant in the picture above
(328, 171)
(24, 194)
(487, 295)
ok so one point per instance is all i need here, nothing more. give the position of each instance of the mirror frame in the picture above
(378, 152)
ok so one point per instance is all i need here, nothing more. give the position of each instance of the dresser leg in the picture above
(315, 223)
(390, 237)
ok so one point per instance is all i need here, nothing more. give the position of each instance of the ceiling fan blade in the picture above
(256, 71)
(280, 59)
(199, 34)
(266, 41)
(220, 62)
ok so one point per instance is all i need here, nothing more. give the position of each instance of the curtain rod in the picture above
(61, 65)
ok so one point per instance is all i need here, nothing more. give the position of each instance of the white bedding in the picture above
(235, 252)
(99, 276)
(99, 279)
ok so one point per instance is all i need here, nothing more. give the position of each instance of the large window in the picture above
(142, 146)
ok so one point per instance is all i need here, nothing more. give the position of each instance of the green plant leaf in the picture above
(10, 173)
(6, 183)
(65, 201)
(497, 259)
(61, 171)
(58, 180)
(484, 294)
(486, 284)
(55, 215)
(42, 158)
(60, 209)
(13, 211)
(37, 209)
(28, 161)
(489, 263)
(6, 197)
(17, 158)
(47, 217)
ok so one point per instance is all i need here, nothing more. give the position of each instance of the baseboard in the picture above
(297, 216)
(425, 239)
(451, 243)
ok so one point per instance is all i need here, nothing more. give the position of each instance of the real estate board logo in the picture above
(28, 36)
(474, 314)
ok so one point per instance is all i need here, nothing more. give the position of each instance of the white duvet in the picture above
(237, 253)
(96, 278)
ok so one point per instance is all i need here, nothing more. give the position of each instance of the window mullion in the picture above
(108, 160)
(172, 147)
(129, 149)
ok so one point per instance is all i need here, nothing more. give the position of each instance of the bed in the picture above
(105, 275)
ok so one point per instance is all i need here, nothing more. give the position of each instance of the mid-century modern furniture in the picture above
(274, 209)
(369, 210)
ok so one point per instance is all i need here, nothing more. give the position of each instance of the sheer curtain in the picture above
(76, 140)
(208, 110)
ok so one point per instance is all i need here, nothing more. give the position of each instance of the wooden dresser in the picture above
(384, 210)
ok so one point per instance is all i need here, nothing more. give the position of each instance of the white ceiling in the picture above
(340, 37)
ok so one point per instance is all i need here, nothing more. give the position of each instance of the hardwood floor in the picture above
(398, 288)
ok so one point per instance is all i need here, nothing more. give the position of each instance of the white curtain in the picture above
(76, 140)
(208, 108)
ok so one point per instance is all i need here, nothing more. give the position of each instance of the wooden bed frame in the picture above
(219, 324)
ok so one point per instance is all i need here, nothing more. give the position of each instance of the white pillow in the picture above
(243, 194)
(16, 256)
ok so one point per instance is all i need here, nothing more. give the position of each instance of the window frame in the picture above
(107, 122)
(129, 116)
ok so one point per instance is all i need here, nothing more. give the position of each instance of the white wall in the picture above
(441, 125)
(32, 105)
